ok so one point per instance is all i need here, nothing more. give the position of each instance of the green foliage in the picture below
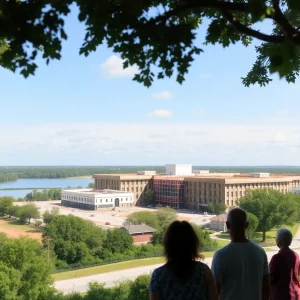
(159, 219)
(117, 241)
(139, 288)
(28, 212)
(46, 194)
(271, 207)
(48, 216)
(140, 217)
(204, 238)
(165, 216)
(217, 208)
(73, 239)
(252, 225)
(5, 203)
(149, 198)
(91, 185)
(157, 36)
(24, 270)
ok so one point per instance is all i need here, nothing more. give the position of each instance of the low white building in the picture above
(95, 199)
(218, 223)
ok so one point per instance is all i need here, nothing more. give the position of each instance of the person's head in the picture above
(283, 238)
(181, 243)
(237, 221)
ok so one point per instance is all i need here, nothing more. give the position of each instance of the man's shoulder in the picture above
(232, 247)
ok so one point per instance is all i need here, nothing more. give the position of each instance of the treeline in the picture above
(126, 290)
(13, 173)
(46, 194)
(78, 242)
(8, 177)
(24, 213)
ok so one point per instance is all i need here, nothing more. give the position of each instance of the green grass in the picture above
(114, 267)
(222, 243)
(17, 225)
(270, 235)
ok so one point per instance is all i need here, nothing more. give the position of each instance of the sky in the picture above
(88, 111)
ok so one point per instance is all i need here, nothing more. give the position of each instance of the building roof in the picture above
(220, 218)
(142, 228)
(97, 192)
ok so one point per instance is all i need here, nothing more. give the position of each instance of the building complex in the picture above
(180, 187)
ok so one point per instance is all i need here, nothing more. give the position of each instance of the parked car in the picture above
(107, 223)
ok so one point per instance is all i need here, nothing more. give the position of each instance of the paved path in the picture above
(112, 278)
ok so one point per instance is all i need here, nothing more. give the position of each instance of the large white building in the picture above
(95, 199)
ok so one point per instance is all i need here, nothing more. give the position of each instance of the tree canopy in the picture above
(271, 207)
(159, 33)
(24, 270)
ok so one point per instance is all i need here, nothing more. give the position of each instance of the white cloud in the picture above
(198, 113)
(279, 138)
(160, 113)
(162, 95)
(113, 67)
(147, 143)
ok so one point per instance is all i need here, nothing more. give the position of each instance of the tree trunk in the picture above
(29, 220)
(264, 236)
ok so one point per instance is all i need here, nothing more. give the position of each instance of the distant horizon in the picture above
(151, 165)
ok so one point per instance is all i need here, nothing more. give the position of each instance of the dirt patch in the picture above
(181, 218)
(15, 233)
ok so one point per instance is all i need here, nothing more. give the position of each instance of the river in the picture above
(40, 183)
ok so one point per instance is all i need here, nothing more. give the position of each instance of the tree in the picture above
(271, 207)
(91, 185)
(217, 208)
(73, 239)
(139, 288)
(48, 216)
(117, 241)
(165, 31)
(13, 211)
(204, 238)
(5, 203)
(149, 198)
(166, 215)
(252, 225)
(28, 212)
(23, 258)
(140, 217)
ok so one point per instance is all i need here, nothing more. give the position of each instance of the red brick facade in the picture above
(142, 238)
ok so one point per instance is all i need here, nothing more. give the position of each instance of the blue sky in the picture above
(88, 111)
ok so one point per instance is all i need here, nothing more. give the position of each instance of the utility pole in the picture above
(48, 248)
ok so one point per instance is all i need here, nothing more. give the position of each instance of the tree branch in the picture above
(198, 4)
(287, 27)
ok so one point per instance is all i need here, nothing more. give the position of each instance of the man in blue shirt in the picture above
(241, 268)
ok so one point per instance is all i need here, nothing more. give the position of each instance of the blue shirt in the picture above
(240, 268)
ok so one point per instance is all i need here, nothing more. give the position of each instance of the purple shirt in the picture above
(284, 272)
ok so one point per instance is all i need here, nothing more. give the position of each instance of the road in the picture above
(113, 278)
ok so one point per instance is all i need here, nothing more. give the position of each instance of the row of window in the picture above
(252, 185)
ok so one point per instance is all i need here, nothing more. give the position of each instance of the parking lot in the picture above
(115, 217)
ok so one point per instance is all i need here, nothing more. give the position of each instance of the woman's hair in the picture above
(181, 248)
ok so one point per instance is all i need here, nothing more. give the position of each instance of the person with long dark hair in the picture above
(183, 276)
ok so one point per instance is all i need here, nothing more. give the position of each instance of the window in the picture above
(231, 194)
(106, 200)
(241, 193)
(137, 189)
(227, 194)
